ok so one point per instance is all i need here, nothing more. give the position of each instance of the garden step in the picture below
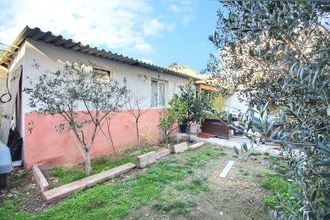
(65, 190)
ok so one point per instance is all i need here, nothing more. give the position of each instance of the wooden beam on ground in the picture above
(195, 146)
(225, 170)
(179, 148)
(162, 153)
(143, 160)
(40, 178)
(65, 190)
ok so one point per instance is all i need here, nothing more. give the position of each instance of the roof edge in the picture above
(57, 40)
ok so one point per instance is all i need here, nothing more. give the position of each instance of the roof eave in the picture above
(59, 41)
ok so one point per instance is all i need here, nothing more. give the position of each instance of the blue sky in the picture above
(156, 31)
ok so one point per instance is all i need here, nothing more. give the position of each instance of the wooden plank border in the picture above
(40, 178)
(67, 189)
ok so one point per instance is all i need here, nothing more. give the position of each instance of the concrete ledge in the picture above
(65, 190)
(146, 159)
(179, 148)
(41, 180)
(195, 146)
(151, 157)
(162, 153)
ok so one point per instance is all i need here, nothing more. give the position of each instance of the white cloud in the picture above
(154, 27)
(175, 8)
(112, 24)
(185, 9)
(143, 46)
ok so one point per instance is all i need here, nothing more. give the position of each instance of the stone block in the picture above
(179, 148)
(146, 159)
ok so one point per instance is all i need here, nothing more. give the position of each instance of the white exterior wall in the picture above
(3, 79)
(19, 61)
(51, 58)
(233, 104)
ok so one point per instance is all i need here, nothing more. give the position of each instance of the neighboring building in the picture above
(202, 83)
(44, 146)
(186, 70)
(235, 104)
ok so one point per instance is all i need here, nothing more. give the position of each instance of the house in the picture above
(2, 84)
(41, 144)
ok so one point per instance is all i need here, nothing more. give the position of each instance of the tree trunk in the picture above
(138, 134)
(88, 163)
(166, 140)
(188, 132)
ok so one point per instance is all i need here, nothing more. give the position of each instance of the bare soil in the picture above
(23, 190)
(238, 196)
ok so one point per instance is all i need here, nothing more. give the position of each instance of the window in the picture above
(102, 74)
(161, 86)
(154, 93)
(158, 93)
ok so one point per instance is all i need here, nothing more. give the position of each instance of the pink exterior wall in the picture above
(46, 147)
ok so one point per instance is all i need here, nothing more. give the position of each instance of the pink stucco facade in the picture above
(44, 146)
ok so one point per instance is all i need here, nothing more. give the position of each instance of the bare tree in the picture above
(134, 108)
(84, 98)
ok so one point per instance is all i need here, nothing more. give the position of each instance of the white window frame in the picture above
(105, 72)
(159, 82)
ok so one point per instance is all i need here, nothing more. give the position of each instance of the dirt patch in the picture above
(23, 191)
(238, 196)
(201, 195)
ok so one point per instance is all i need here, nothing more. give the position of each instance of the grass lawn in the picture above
(282, 197)
(115, 200)
(181, 186)
(59, 176)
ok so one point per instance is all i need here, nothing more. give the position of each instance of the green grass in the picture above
(193, 187)
(247, 172)
(174, 206)
(282, 195)
(68, 175)
(202, 156)
(256, 153)
(114, 201)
